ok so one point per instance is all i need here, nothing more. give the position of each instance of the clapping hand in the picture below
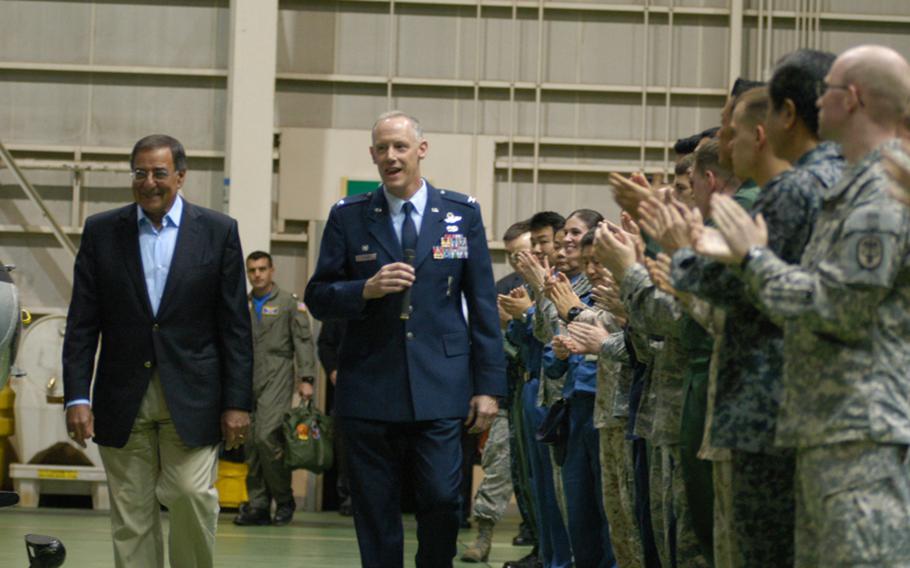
(630, 191)
(516, 303)
(559, 290)
(562, 346)
(671, 224)
(614, 249)
(739, 231)
(531, 269)
(586, 338)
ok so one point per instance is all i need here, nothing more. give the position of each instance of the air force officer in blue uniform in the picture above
(395, 263)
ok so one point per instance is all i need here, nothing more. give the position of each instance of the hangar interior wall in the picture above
(550, 96)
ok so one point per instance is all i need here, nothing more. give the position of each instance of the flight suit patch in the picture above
(270, 310)
(301, 307)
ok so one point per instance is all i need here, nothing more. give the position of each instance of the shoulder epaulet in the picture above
(352, 199)
(458, 197)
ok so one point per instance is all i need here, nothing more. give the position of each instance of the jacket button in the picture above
(147, 364)
(409, 335)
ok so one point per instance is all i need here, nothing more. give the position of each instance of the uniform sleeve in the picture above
(613, 349)
(546, 320)
(488, 361)
(304, 350)
(234, 332)
(83, 324)
(705, 278)
(650, 309)
(331, 293)
(840, 298)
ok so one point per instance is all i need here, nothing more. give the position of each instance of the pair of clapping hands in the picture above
(675, 226)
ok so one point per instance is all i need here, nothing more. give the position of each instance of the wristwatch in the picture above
(308, 380)
(752, 254)
(573, 313)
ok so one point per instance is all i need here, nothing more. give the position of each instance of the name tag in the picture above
(270, 310)
(365, 257)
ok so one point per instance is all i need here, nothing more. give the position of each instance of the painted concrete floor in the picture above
(313, 540)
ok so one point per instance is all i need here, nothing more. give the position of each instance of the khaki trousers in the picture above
(156, 467)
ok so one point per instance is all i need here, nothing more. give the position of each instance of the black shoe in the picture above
(529, 561)
(524, 537)
(249, 516)
(284, 512)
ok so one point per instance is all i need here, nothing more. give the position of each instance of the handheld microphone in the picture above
(409, 255)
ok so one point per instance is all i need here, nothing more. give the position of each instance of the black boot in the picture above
(249, 516)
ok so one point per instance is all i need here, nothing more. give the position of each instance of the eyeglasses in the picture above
(821, 88)
(158, 174)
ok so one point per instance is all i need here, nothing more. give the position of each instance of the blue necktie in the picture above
(408, 229)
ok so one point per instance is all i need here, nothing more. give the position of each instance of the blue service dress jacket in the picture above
(426, 367)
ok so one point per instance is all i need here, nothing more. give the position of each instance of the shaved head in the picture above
(882, 76)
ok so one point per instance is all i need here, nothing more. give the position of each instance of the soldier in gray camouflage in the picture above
(846, 315)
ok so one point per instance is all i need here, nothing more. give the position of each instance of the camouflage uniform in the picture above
(611, 408)
(846, 402)
(750, 369)
(495, 489)
(661, 314)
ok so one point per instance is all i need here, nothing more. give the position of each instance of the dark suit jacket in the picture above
(428, 366)
(200, 339)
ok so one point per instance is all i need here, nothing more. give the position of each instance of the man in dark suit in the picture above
(161, 282)
(398, 263)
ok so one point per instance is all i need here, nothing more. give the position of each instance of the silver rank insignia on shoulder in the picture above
(471, 199)
(451, 218)
(341, 202)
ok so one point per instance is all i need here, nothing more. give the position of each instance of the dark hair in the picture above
(688, 144)
(684, 165)
(155, 141)
(588, 239)
(589, 217)
(741, 85)
(707, 157)
(547, 219)
(755, 103)
(797, 77)
(258, 254)
(516, 230)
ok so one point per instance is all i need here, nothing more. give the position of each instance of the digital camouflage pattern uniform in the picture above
(495, 490)
(660, 314)
(750, 369)
(611, 410)
(846, 400)
(281, 340)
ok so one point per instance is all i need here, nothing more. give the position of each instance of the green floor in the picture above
(314, 540)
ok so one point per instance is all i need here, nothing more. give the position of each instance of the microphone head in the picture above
(409, 255)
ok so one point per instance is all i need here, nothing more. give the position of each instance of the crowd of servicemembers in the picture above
(722, 376)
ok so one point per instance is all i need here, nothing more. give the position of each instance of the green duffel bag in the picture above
(308, 436)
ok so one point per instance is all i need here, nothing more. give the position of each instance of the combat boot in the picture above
(480, 550)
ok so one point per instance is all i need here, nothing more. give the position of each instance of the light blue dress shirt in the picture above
(418, 200)
(156, 248)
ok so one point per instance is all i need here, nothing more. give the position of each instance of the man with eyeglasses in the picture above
(161, 283)
(845, 308)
